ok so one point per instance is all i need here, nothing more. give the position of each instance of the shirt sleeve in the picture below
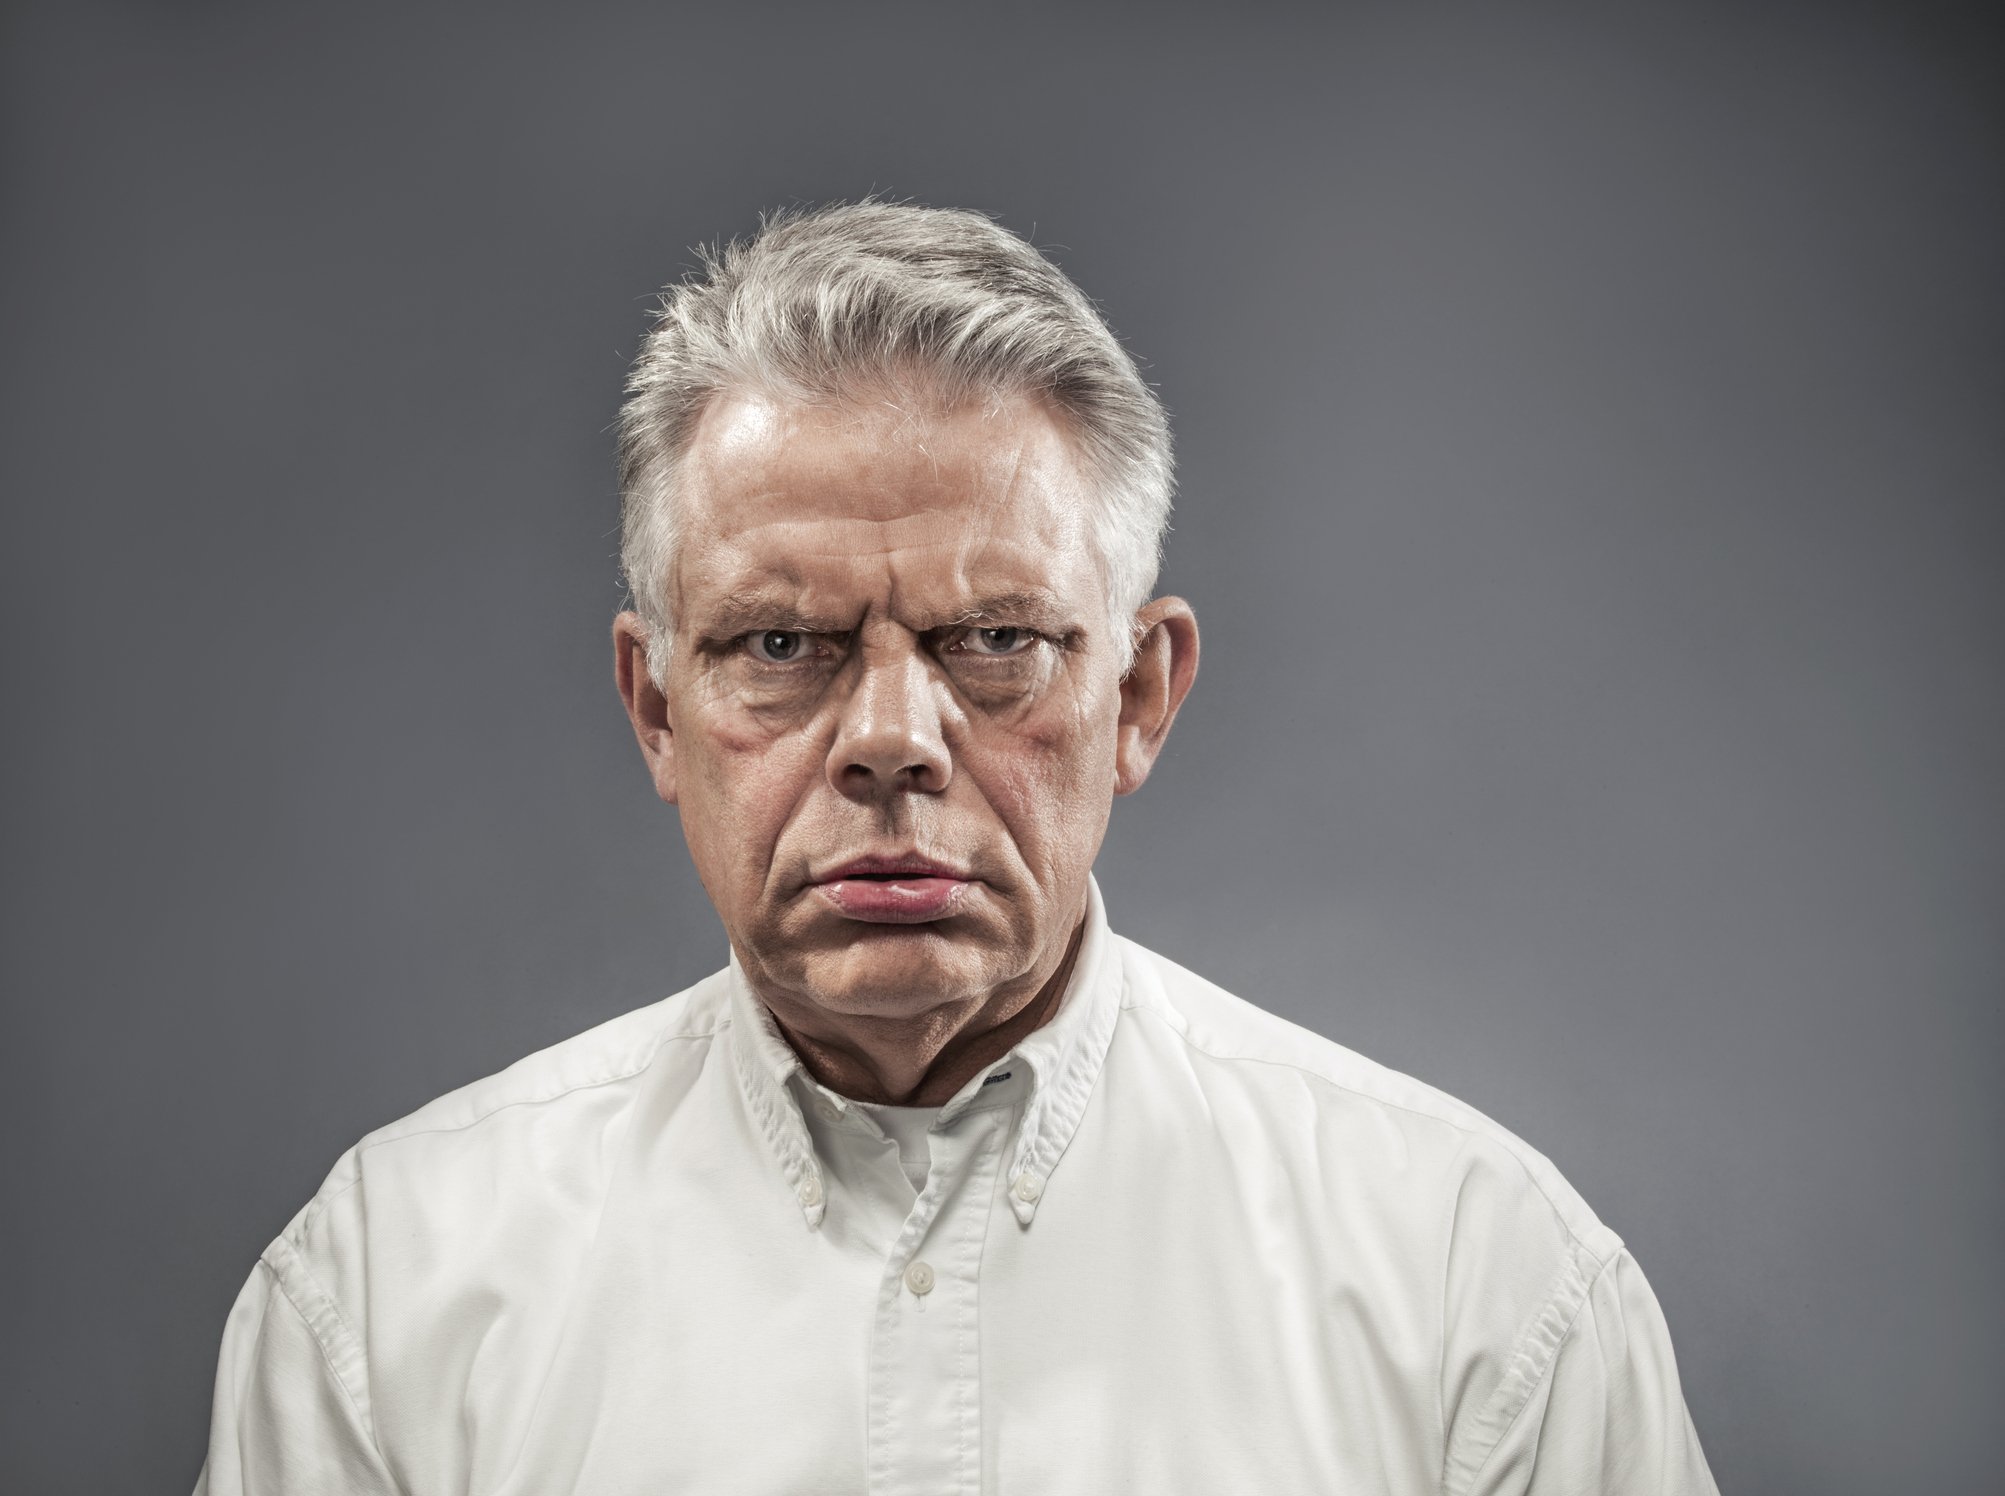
(1605, 1415)
(291, 1415)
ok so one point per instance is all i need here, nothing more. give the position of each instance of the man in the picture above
(940, 1186)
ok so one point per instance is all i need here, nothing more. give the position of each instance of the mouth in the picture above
(896, 890)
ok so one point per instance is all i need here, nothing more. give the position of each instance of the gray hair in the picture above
(821, 304)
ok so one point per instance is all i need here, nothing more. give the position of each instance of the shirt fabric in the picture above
(1169, 1243)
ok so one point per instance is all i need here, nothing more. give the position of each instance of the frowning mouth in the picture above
(904, 889)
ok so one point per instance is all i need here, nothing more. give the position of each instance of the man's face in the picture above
(894, 702)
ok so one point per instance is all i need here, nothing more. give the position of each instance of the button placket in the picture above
(925, 1364)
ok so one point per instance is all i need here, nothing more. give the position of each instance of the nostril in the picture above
(858, 770)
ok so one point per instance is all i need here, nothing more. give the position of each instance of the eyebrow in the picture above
(760, 608)
(741, 612)
(1034, 607)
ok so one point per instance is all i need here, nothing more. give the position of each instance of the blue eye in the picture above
(998, 642)
(776, 646)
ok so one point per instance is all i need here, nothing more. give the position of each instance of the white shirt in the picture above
(1169, 1243)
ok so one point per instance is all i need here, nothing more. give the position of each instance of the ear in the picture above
(646, 707)
(1165, 665)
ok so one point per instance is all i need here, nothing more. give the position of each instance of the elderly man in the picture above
(941, 1186)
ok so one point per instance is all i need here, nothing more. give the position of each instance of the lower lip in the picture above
(894, 901)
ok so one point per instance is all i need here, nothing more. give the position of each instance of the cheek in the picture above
(1053, 784)
(743, 785)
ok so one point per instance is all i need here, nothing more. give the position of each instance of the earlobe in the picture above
(647, 707)
(1165, 666)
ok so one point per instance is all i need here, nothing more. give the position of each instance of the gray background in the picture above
(1591, 465)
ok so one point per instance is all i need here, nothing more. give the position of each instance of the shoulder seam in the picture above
(321, 1201)
(1447, 1121)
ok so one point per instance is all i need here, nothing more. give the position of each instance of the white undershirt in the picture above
(907, 1127)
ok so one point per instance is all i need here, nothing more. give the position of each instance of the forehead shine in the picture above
(927, 513)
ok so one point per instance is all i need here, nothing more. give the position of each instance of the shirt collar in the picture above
(1063, 1057)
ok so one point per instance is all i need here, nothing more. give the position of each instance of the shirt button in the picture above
(810, 1191)
(1027, 1187)
(919, 1278)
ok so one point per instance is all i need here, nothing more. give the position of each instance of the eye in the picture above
(996, 643)
(777, 646)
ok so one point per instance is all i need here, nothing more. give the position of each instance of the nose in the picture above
(889, 739)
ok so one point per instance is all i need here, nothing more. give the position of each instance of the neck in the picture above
(926, 1063)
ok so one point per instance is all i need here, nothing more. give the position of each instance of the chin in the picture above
(901, 971)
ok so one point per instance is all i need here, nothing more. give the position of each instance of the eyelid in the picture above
(811, 638)
(818, 642)
(957, 633)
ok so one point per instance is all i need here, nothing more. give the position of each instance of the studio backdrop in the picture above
(1589, 488)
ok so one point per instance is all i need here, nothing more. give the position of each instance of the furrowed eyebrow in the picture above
(742, 612)
(1035, 609)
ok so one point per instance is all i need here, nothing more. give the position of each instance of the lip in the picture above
(899, 889)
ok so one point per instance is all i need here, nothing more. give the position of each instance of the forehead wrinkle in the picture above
(945, 523)
(908, 532)
(986, 585)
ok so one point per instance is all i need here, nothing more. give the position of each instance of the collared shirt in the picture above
(1168, 1243)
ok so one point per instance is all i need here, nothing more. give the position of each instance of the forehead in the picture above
(897, 502)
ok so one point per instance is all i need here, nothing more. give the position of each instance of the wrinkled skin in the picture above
(892, 638)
